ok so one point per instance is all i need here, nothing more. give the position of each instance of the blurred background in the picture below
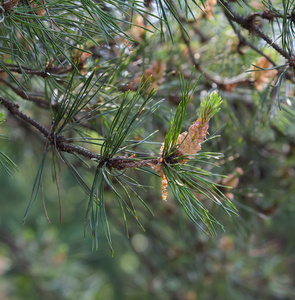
(254, 258)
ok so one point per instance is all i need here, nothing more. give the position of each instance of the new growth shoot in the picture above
(187, 143)
(190, 142)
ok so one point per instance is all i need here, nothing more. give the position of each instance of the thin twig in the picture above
(125, 163)
(248, 23)
(40, 101)
(46, 73)
(243, 40)
(14, 109)
(64, 145)
(270, 15)
(221, 81)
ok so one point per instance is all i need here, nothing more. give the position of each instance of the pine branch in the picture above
(270, 15)
(64, 145)
(123, 163)
(248, 23)
(244, 41)
(14, 110)
(48, 70)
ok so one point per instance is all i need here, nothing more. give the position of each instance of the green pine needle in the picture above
(209, 106)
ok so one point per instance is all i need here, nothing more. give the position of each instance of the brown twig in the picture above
(244, 41)
(48, 71)
(40, 101)
(14, 110)
(221, 81)
(64, 145)
(270, 15)
(267, 14)
(125, 163)
(245, 21)
(248, 23)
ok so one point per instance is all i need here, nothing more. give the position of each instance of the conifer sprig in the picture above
(176, 122)
(188, 184)
(134, 109)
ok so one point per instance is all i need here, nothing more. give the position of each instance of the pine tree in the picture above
(191, 102)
